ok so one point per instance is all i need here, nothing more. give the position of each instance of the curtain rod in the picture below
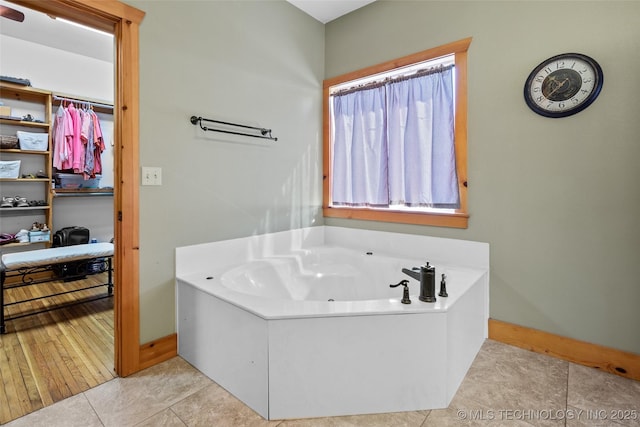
(390, 80)
(264, 133)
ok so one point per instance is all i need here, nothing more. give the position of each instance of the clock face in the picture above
(563, 85)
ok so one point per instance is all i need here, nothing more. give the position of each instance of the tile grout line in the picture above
(170, 407)
(177, 416)
(84, 395)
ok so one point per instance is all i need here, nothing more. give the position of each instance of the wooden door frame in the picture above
(123, 21)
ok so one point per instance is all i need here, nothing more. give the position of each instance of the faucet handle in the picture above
(402, 282)
(443, 286)
(405, 292)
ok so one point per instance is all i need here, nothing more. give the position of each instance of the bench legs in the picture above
(3, 329)
(110, 281)
(3, 275)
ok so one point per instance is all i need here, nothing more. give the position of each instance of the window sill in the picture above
(453, 220)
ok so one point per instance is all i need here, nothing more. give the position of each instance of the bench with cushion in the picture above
(22, 269)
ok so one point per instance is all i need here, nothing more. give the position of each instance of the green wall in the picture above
(253, 62)
(557, 199)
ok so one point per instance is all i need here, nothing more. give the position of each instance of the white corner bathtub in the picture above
(303, 323)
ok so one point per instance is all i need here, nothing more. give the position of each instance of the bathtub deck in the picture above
(458, 283)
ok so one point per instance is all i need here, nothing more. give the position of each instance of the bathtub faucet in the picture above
(426, 275)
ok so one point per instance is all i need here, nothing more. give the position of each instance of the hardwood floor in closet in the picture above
(48, 357)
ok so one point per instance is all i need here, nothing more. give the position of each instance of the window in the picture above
(395, 140)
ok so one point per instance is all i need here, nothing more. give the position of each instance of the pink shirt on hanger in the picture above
(62, 136)
(77, 154)
(99, 145)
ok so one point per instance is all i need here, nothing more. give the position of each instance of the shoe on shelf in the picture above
(7, 202)
(21, 202)
(7, 238)
(41, 174)
(22, 236)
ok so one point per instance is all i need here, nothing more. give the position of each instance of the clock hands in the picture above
(557, 87)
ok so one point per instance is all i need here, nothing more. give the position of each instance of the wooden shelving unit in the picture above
(37, 102)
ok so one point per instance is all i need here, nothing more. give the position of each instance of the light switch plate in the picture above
(151, 175)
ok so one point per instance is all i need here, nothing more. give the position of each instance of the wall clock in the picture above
(563, 85)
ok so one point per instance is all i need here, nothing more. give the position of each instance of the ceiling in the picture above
(42, 29)
(328, 10)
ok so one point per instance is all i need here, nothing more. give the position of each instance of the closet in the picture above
(32, 187)
(86, 198)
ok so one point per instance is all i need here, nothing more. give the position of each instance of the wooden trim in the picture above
(447, 49)
(100, 14)
(460, 136)
(618, 362)
(459, 219)
(456, 220)
(126, 199)
(158, 351)
(123, 21)
(326, 150)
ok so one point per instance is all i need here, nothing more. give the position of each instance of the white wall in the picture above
(55, 69)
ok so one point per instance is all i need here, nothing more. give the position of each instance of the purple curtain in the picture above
(360, 149)
(394, 143)
(422, 167)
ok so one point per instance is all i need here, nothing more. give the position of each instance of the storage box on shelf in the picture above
(39, 236)
(10, 169)
(25, 168)
(76, 181)
(8, 141)
(33, 141)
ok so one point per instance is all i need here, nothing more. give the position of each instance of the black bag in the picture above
(69, 236)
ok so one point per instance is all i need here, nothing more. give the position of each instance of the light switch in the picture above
(151, 175)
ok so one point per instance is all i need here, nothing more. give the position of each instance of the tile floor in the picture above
(504, 386)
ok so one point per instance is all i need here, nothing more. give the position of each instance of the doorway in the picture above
(59, 340)
(123, 22)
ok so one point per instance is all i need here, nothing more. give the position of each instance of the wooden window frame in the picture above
(457, 219)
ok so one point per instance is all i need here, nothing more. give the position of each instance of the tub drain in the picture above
(330, 299)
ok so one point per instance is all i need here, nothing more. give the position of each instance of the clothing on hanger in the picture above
(77, 140)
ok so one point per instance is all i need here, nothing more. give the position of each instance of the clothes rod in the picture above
(264, 133)
(80, 101)
(84, 194)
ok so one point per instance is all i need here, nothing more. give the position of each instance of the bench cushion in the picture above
(41, 257)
